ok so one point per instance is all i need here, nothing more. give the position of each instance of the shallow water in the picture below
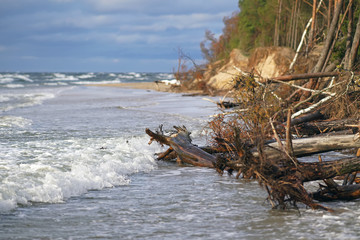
(75, 164)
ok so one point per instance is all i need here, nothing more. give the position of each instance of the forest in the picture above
(270, 123)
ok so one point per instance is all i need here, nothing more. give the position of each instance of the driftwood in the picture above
(305, 76)
(307, 118)
(308, 146)
(284, 175)
(186, 152)
(333, 191)
(312, 128)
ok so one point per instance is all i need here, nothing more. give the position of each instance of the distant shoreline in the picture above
(161, 87)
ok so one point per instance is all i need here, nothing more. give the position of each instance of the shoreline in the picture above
(154, 86)
(160, 87)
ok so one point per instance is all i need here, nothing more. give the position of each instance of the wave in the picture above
(14, 85)
(9, 78)
(97, 82)
(11, 101)
(17, 80)
(63, 169)
(14, 121)
(63, 77)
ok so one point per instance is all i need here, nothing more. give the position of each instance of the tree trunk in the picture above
(330, 37)
(311, 128)
(308, 146)
(312, 31)
(329, 13)
(277, 24)
(349, 37)
(293, 77)
(186, 151)
(337, 192)
(355, 46)
(324, 170)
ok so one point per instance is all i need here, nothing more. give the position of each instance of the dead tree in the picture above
(284, 177)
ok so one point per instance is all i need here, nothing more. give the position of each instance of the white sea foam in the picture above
(14, 121)
(125, 76)
(6, 79)
(14, 85)
(23, 77)
(134, 74)
(165, 76)
(84, 76)
(4, 98)
(58, 170)
(63, 77)
(10, 77)
(56, 84)
(12, 101)
(97, 82)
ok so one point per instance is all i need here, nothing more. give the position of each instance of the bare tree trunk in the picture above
(308, 146)
(297, 19)
(293, 25)
(329, 38)
(277, 24)
(312, 31)
(336, 36)
(349, 37)
(303, 38)
(289, 30)
(324, 170)
(328, 43)
(355, 46)
(329, 14)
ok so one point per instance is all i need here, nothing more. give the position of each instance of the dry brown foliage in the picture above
(263, 121)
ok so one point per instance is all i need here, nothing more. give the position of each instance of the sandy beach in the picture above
(162, 87)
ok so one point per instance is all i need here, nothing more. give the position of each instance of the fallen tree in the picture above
(291, 174)
(186, 152)
(262, 137)
(249, 143)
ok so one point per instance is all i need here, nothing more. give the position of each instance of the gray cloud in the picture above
(113, 32)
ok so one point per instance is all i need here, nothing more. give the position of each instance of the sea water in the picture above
(75, 164)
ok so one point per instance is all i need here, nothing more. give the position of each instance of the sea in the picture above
(75, 163)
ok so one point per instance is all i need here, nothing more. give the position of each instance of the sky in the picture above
(105, 35)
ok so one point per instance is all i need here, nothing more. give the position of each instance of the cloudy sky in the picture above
(105, 35)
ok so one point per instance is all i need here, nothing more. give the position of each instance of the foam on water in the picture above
(97, 82)
(11, 101)
(15, 85)
(53, 171)
(14, 121)
(85, 76)
(64, 77)
(21, 80)
(5, 78)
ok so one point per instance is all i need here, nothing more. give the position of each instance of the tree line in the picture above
(261, 23)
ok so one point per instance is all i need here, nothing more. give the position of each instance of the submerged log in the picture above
(180, 142)
(334, 191)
